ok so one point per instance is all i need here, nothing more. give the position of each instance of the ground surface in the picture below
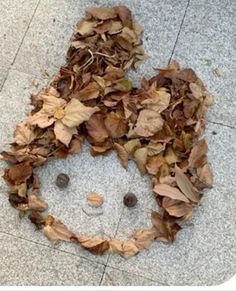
(201, 34)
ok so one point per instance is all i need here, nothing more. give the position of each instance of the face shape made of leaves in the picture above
(157, 125)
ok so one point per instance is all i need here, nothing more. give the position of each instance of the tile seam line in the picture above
(222, 124)
(136, 274)
(82, 257)
(180, 28)
(20, 44)
(51, 248)
(106, 264)
(25, 32)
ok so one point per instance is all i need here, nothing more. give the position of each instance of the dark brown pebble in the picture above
(130, 200)
(62, 180)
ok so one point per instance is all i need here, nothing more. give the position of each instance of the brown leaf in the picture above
(197, 157)
(122, 154)
(34, 203)
(154, 163)
(95, 245)
(115, 125)
(18, 173)
(143, 237)
(41, 119)
(176, 208)
(96, 128)
(63, 133)
(187, 75)
(85, 27)
(129, 248)
(205, 175)
(169, 191)
(75, 146)
(140, 157)
(170, 156)
(16, 201)
(102, 13)
(57, 231)
(132, 145)
(76, 113)
(148, 123)
(36, 219)
(91, 91)
(115, 245)
(23, 134)
(125, 15)
(99, 150)
(159, 99)
(186, 186)
(196, 90)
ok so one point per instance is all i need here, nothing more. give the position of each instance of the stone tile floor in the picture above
(198, 33)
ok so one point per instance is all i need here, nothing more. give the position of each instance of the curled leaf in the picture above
(186, 186)
(122, 154)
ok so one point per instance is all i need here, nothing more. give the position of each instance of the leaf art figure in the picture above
(157, 125)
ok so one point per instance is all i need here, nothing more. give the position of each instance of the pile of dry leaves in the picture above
(158, 126)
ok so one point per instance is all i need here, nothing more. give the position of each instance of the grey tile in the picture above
(15, 18)
(204, 252)
(44, 47)
(15, 102)
(206, 42)
(115, 277)
(25, 263)
(46, 41)
(221, 142)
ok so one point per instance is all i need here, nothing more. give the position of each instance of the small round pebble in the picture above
(130, 200)
(62, 180)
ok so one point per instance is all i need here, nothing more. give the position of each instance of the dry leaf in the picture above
(169, 191)
(159, 99)
(94, 244)
(186, 186)
(132, 145)
(115, 125)
(23, 135)
(76, 113)
(34, 203)
(154, 163)
(176, 208)
(102, 13)
(129, 248)
(205, 175)
(143, 237)
(57, 231)
(94, 199)
(96, 128)
(122, 154)
(140, 157)
(148, 123)
(63, 133)
(86, 27)
(18, 173)
(91, 91)
(197, 157)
